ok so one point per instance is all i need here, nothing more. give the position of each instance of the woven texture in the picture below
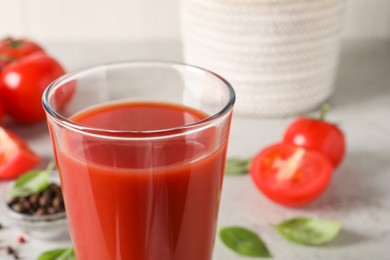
(280, 56)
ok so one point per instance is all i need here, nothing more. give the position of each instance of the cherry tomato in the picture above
(317, 135)
(15, 155)
(290, 175)
(22, 84)
(18, 48)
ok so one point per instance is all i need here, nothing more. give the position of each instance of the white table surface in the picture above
(359, 194)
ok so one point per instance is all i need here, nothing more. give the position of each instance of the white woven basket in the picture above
(281, 56)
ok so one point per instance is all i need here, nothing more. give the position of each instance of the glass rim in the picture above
(132, 134)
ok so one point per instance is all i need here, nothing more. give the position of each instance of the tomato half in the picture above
(15, 155)
(290, 175)
(18, 48)
(317, 135)
(22, 84)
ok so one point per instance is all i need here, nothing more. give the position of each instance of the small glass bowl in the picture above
(42, 227)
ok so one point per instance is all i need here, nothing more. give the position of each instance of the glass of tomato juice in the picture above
(141, 150)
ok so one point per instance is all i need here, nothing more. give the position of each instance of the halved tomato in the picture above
(16, 157)
(290, 175)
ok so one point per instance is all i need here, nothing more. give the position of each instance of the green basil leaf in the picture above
(237, 166)
(59, 254)
(244, 242)
(31, 182)
(309, 231)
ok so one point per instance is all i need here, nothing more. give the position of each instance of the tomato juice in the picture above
(151, 199)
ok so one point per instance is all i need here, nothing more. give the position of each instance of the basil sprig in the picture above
(237, 166)
(31, 182)
(309, 231)
(244, 242)
(59, 254)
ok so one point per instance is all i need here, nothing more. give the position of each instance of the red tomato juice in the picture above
(142, 200)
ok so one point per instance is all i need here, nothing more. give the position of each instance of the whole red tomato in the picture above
(22, 84)
(317, 135)
(18, 48)
(290, 175)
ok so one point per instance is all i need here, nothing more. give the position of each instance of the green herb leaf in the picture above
(244, 242)
(237, 166)
(31, 182)
(309, 231)
(59, 254)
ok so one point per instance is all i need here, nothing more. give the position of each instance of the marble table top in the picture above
(358, 196)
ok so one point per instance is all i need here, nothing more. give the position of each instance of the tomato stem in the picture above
(324, 110)
(14, 43)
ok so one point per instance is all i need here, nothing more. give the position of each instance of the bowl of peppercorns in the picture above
(35, 204)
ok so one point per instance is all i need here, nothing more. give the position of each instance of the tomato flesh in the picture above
(290, 175)
(15, 156)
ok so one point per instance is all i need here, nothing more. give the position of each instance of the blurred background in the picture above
(104, 20)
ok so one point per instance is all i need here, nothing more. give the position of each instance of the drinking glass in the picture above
(141, 184)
